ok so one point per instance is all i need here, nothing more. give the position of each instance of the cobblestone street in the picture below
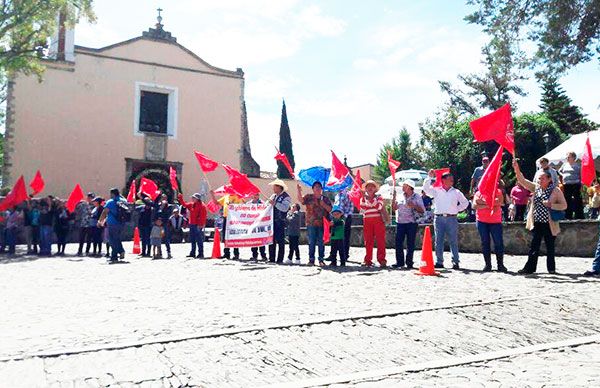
(72, 321)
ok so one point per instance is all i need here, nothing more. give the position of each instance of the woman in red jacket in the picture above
(197, 222)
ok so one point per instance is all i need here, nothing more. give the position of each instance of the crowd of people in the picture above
(542, 202)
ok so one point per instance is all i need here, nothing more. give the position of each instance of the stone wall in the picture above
(577, 238)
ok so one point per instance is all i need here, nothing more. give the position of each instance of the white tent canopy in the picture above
(576, 143)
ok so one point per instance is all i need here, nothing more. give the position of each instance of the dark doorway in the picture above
(154, 109)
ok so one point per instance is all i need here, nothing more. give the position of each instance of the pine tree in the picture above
(559, 108)
(285, 145)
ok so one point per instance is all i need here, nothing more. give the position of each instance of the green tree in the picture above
(401, 150)
(559, 108)
(285, 145)
(566, 32)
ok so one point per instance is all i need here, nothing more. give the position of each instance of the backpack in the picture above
(123, 212)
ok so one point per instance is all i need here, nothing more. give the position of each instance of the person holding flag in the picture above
(317, 207)
(197, 222)
(546, 198)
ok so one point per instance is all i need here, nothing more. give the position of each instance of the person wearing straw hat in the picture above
(373, 225)
(408, 208)
(281, 202)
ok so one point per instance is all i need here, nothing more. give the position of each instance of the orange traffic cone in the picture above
(136, 242)
(216, 252)
(427, 256)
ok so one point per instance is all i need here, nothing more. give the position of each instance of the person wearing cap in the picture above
(545, 168)
(281, 202)
(448, 202)
(255, 250)
(83, 211)
(197, 222)
(408, 208)
(478, 173)
(371, 205)
(337, 236)
(145, 220)
(317, 207)
(489, 226)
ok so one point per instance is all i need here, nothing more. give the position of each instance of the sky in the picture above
(352, 73)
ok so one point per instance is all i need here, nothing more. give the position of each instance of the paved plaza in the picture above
(78, 322)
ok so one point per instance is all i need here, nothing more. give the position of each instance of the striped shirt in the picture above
(371, 207)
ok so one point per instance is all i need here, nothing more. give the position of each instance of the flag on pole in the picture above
(131, 195)
(37, 184)
(438, 176)
(149, 187)
(17, 195)
(74, 198)
(326, 230)
(281, 157)
(206, 164)
(173, 178)
(588, 169)
(393, 165)
(240, 182)
(488, 185)
(497, 126)
(338, 173)
(355, 192)
(213, 207)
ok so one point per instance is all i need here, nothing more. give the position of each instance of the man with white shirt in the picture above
(448, 202)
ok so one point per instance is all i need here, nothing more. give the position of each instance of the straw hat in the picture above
(409, 182)
(279, 182)
(370, 182)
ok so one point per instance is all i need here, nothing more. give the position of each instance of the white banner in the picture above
(249, 225)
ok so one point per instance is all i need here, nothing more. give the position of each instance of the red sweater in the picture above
(197, 211)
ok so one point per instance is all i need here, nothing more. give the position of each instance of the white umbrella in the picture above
(576, 143)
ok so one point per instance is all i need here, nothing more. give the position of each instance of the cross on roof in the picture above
(159, 18)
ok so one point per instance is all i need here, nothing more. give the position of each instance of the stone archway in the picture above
(158, 172)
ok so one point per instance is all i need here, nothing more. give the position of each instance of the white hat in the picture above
(279, 182)
(409, 182)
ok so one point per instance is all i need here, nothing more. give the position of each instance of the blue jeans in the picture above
(315, 237)
(489, 232)
(145, 237)
(197, 239)
(11, 239)
(45, 239)
(446, 226)
(114, 240)
(596, 263)
(409, 232)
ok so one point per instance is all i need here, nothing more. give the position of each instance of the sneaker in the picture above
(111, 261)
(311, 262)
(289, 262)
(297, 261)
(169, 257)
(455, 266)
(122, 255)
(382, 265)
(236, 257)
(397, 266)
(553, 272)
(191, 255)
(524, 272)
(438, 265)
(365, 264)
(321, 263)
(333, 264)
(591, 273)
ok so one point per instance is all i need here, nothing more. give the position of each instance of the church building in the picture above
(102, 117)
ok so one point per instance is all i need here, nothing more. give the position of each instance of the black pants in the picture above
(96, 238)
(85, 235)
(338, 249)
(294, 247)
(61, 239)
(347, 234)
(520, 212)
(227, 251)
(255, 250)
(145, 239)
(574, 203)
(278, 245)
(541, 231)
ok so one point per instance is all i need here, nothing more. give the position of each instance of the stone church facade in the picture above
(103, 117)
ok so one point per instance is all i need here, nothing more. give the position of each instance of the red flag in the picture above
(206, 164)
(326, 230)
(173, 178)
(497, 126)
(355, 192)
(393, 165)
(488, 185)
(148, 187)
(131, 195)
(37, 184)
(74, 198)
(240, 182)
(16, 196)
(588, 169)
(338, 173)
(213, 207)
(283, 159)
(438, 176)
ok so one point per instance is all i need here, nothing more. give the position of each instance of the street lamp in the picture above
(546, 138)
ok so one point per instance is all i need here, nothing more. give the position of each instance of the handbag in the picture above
(557, 215)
